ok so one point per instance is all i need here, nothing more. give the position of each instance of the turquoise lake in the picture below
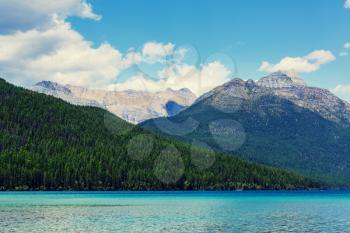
(175, 211)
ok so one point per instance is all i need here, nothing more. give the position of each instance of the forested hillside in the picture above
(48, 144)
(269, 129)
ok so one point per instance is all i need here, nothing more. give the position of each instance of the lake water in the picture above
(175, 212)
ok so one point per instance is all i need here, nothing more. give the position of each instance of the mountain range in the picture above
(49, 144)
(277, 121)
(132, 106)
(284, 122)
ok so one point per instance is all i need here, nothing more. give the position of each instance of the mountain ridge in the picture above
(49, 144)
(316, 99)
(288, 126)
(131, 105)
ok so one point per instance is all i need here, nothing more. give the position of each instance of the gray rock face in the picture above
(281, 80)
(63, 92)
(53, 87)
(133, 106)
(229, 96)
(315, 99)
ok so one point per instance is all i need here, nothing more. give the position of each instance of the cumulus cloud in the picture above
(198, 79)
(25, 15)
(343, 54)
(306, 64)
(343, 91)
(37, 43)
(58, 54)
(347, 4)
(154, 52)
(347, 45)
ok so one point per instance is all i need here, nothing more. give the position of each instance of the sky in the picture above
(156, 44)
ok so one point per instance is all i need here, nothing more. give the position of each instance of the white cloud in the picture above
(347, 4)
(154, 52)
(320, 57)
(306, 64)
(25, 15)
(345, 53)
(198, 80)
(37, 43)
(58, 54)
(132, 58)
(343, 91)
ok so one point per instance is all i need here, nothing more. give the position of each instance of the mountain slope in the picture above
(46, 143)
(130, 105)
(315, 99)
(257, 123)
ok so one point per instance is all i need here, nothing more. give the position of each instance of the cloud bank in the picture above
(24, 15)
(38, 43)
(306, 64)
(198, 79)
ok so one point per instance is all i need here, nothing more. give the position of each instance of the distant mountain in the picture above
(65, 93)
(173, 108)
(49, 144)
(130, 105)
(276, 121)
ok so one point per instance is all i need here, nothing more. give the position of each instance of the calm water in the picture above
(175, 212)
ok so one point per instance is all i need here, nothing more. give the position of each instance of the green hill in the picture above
(48, 144)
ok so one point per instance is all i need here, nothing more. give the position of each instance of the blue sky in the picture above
(248, 30)
(237, 34)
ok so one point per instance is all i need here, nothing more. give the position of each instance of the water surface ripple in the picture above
(175, 211)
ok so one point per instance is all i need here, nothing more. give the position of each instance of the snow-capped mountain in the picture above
(133, 106)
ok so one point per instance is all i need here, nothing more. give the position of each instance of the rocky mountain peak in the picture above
(235, 82)
(282, 85)
(236, 88)
(53, 86)
(281, 80)
(131, 105)
(185, 90)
